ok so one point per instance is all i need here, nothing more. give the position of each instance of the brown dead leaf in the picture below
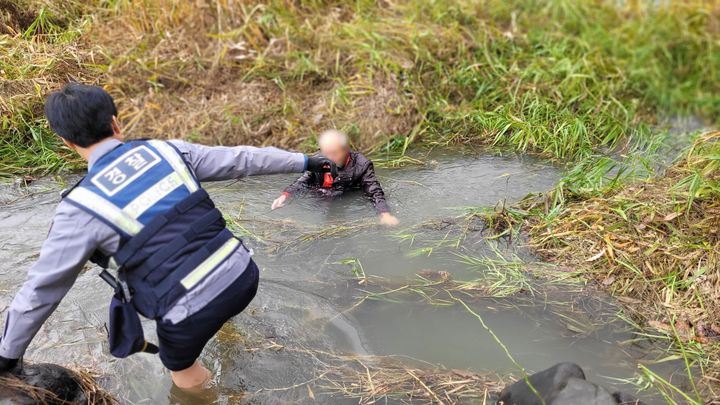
(608, 281)
(661, 326)
(670, 217)
(628, 300)
(683, 329)
(595, 257)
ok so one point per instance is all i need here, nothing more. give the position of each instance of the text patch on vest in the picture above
(123, 170)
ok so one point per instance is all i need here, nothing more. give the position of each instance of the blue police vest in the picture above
(171, 234)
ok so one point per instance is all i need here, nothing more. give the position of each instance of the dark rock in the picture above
(44, 383)
(562, 384)
(625, 399)
(547, 382)
(578, 391)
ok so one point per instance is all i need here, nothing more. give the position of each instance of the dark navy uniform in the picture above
(141, 209)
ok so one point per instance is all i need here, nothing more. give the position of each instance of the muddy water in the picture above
(309, 296)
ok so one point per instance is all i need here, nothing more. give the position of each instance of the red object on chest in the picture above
(327, 181)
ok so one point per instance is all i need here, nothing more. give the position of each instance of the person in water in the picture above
(354, 171)
(141, 210)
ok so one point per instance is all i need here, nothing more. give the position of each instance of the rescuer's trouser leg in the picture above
(182, 343)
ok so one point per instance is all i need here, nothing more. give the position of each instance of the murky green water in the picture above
(308, 295)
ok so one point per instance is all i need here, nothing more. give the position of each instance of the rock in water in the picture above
(579, 391)
(562, 384)
(42, 383)
(547, 382)
(625, 399)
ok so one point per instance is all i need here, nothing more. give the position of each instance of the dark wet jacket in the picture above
(357, 173)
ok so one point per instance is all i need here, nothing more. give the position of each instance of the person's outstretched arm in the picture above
(307, 180)
(213, 163)
(372, 188)
(72, 239)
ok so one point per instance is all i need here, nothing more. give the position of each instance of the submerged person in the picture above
(355, 171)
(141, 210)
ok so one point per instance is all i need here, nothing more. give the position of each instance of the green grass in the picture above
(28, 147)
(569, 79)
(504, 277)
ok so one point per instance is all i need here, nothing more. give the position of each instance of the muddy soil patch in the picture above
(13, 19)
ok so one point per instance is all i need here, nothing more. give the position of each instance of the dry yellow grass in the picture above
(562, 78)
(656, 242)
(93, 394)
(198, 70)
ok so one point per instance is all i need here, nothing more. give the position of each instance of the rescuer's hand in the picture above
(279, 202)
(320, 164)
(388, 219)
(11, 365)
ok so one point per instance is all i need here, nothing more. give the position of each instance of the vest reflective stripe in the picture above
(172, 235)
(176, 162)
(128, 223)
(210, 263)
(106, 209)
(154, 194)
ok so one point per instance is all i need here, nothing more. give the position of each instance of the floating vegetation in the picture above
(505, 277)
(284, 234)
(371, 379)
(500, 283)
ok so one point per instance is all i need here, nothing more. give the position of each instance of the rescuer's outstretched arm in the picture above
(212, 163)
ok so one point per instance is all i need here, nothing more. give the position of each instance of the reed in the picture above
(567, 79)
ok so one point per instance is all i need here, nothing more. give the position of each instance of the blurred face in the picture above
(333, 149)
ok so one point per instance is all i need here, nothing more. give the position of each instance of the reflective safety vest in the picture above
(171, 234)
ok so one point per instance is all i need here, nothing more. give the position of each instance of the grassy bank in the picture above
(656, 243)
(567, 78)
(659, 237)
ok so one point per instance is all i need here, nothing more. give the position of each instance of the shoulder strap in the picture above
(102, 208)
(67, 191)
(175, 159)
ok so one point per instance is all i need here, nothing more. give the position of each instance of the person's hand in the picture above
(388, 219)
(321, 164)
(10, 365)
(279, 202)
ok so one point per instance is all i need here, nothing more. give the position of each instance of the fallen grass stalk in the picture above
(662, 385)
(86, 380)
(370, 379)
(282, 234)
(686, 360)
(502, 345)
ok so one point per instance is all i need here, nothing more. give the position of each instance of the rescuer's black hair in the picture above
(81, 114)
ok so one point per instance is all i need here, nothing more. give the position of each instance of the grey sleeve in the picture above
(212, 163)
(73, 237)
